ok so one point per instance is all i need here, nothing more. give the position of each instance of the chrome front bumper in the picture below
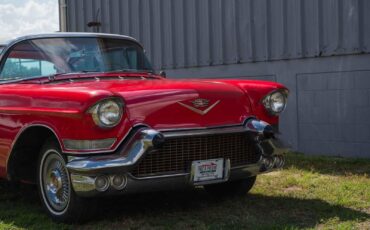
(84, 171)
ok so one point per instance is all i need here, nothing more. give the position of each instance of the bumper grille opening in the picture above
(177, 153)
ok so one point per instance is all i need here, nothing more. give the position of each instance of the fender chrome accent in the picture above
(88, 145)
(142, 142)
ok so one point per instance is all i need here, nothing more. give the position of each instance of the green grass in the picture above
(310, 193)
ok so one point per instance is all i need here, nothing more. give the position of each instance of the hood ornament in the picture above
(198, 104)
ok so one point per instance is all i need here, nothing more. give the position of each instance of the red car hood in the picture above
(174, 104)
(168, 104)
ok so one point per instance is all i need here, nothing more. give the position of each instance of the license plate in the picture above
(206, 170)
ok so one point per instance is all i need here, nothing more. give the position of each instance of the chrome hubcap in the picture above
(55, 181)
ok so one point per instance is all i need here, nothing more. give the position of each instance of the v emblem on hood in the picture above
(201, 112)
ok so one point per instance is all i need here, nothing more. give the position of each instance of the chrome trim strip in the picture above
(159, 176)
(141, 143)
(210, 131)
(209, 127)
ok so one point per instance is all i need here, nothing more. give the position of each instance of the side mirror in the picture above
(163, 73)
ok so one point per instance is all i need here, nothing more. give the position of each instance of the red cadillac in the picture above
(84, 115)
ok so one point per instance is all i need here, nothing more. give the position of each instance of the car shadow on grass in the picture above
(182, 210)
(196, 208)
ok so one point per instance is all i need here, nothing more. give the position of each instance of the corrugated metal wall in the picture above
(194, 33)
(311, 46)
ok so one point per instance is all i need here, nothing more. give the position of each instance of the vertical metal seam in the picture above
(222, 18)
(161, 33)
(139, 18)
(321, 27)
(268, 30)
(173, 39)
(84, 16)
(204, 45)
(120, 18)
(236, 33)
(93, 9)
(110, 16)
(102, 17)
(252, 30)
(151, 31)
(210, 31)
(75, 17)
(340, 25)
(197, 34)
(68, 21)
(129, 29)
(285, 29)
(303, 25)
(185, 33)
(361, 26)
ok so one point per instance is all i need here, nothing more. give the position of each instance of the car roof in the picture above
(71, 34)
(10, 43)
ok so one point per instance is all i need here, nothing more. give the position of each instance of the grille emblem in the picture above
(200, 103)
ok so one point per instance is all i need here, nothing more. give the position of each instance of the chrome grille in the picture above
(177, 153)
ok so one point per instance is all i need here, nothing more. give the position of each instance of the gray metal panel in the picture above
(190, 33)
(333, 111)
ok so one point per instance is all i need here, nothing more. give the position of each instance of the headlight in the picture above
(275, 102)
(107, 113)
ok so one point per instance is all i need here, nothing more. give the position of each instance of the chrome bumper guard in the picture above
(88, 174)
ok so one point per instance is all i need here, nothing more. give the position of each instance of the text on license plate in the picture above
(208, 169)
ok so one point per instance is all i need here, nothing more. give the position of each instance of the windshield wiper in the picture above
(131, 70)
(52, 76)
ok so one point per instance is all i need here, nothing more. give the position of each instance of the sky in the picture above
(22, 17)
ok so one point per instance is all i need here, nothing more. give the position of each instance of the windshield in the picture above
(1, 49)
(49, 56)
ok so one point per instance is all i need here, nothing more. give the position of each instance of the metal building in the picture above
(320, 49)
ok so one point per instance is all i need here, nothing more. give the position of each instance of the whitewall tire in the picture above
(55, 188)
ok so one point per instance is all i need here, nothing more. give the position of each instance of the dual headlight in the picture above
(107, 113)
(275, 102)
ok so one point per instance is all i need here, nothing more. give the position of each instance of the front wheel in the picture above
(231, 188)
(55, 189)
